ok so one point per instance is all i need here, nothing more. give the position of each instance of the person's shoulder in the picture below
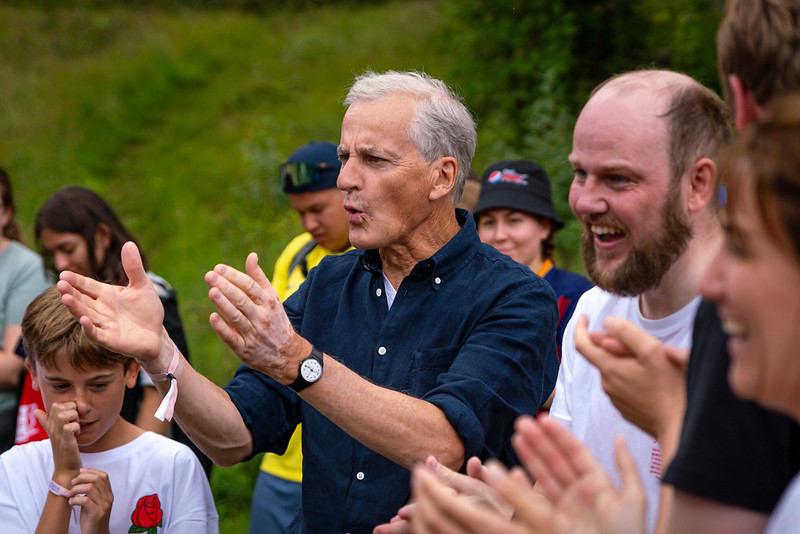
(28, 452)
(158, 448)
(22, 255)
(337, 263)
(596, 299)
(18, 248)
(501, 277)
(569, 278)
(494, 259)
(297, 243)
(290, 251)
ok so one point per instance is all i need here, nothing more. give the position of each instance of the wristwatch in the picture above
(310, 370)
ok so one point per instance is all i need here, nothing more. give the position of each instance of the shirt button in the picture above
(360, 475)
(437, 280)
(378, 292)
(382, 351)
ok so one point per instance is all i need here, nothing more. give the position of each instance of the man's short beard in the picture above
(647, 263)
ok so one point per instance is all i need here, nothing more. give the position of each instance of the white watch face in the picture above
(311, 370)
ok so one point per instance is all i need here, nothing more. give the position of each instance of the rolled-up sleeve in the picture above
(502, 370)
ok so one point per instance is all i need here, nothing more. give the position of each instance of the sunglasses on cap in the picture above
(300, 173)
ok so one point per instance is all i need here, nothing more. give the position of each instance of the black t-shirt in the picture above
(731, 450)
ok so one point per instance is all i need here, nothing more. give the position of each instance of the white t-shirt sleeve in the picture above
(786, 517)
(561, 409)
(192, 500)
(20, 510)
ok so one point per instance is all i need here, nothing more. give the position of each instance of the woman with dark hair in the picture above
(22, 277)
(78, 231)
(515, 214)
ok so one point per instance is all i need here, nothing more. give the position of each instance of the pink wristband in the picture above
(167, 406)
(57, 489)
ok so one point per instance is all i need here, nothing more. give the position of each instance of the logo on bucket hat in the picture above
(519, 185)
(508, 176)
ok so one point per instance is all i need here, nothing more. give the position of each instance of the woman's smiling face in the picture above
(755, 281)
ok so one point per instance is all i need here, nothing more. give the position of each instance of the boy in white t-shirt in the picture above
(114, 476)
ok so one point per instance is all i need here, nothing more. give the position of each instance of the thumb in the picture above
(133, 266)
(639, 342)
(442, 471)
(255, 271)
(679, 357)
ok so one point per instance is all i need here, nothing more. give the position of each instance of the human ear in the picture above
(102, 237)
(701, 183)
(746, 110)
(443, 177)
(8, 213)
(546, 224)
(132, 374)
(32, 371)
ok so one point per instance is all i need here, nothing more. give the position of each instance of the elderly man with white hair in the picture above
(422, 342)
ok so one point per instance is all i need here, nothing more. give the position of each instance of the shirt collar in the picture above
(547, 264)
(448, 260)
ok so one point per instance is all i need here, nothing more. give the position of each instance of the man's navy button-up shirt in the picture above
(470, 331)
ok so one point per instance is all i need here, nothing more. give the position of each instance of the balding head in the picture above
(697, 121)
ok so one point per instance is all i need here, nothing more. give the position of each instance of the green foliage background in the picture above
(180, 115)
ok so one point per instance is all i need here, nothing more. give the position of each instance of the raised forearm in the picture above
(10, 369)
(205, 412)
(146, 419)
(10, 364)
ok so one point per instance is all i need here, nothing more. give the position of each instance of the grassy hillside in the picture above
(180, 119)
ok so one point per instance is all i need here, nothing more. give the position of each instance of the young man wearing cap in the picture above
(515, 214)
(309, 179)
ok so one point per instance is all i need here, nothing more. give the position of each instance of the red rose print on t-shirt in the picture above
(147, 516)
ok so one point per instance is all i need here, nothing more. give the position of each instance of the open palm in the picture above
(127, 320)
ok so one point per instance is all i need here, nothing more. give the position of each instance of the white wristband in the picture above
(167, 406)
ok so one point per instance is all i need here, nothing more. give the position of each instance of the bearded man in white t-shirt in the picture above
(643, 188)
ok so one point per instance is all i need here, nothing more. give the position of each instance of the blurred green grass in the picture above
(180, 119)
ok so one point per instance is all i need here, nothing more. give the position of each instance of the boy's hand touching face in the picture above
(61, 424)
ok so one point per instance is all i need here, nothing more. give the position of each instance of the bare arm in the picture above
(10, 364)
(61, 423)
(88, 489)
(695, 515)
(145, 419)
